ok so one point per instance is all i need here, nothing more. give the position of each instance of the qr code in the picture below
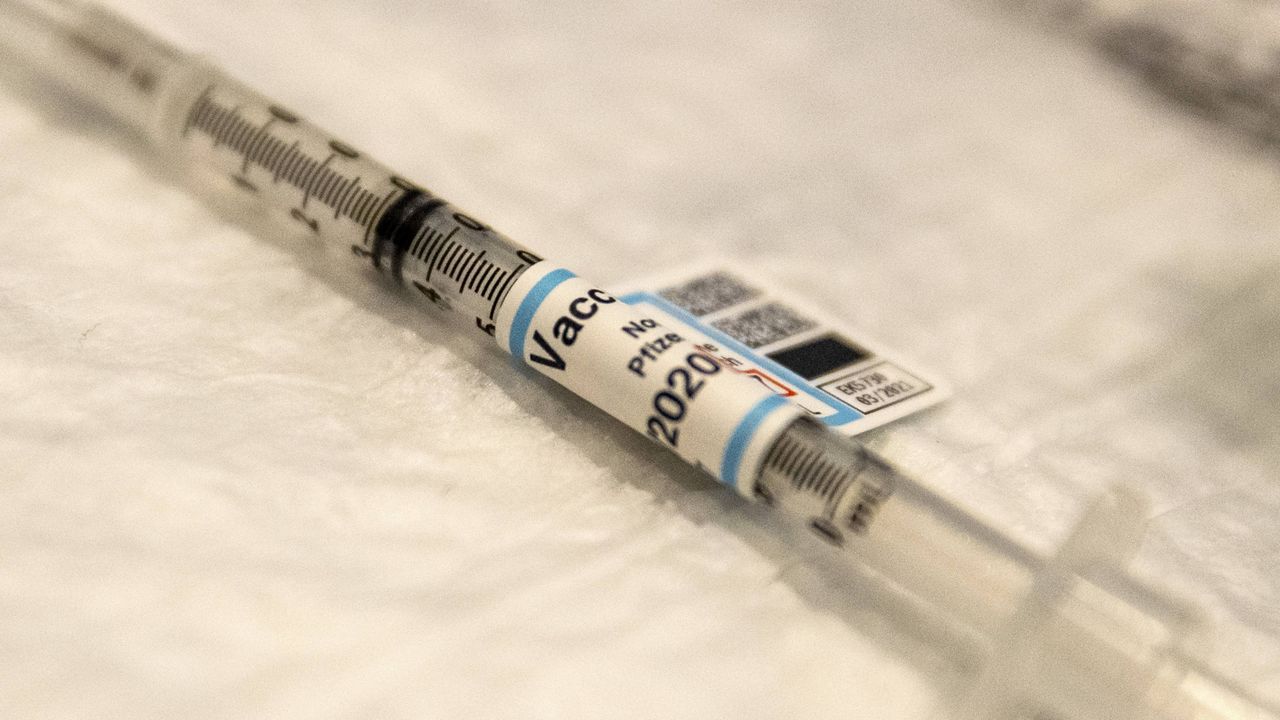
(764, 325)
(709, 293)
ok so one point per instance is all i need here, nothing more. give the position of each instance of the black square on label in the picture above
(819, 356)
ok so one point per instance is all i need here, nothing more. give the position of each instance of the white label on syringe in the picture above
(844, 379)
(650, 376)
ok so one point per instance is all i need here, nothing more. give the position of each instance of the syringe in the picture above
(1071, 636)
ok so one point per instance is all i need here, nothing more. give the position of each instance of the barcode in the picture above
(764, 325)
(786, 345)
(709, 293)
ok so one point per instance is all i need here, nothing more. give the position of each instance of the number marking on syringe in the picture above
(440, 253)
(258, 145)
(404, 224)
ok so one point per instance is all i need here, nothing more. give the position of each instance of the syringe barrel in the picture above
(240, 144)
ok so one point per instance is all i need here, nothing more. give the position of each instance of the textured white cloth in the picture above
(236, 483)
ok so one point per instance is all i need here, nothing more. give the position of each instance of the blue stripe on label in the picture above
(844, 414)
(742, 435)
(529, 307)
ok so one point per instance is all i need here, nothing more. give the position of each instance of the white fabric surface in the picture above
(237, 483)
